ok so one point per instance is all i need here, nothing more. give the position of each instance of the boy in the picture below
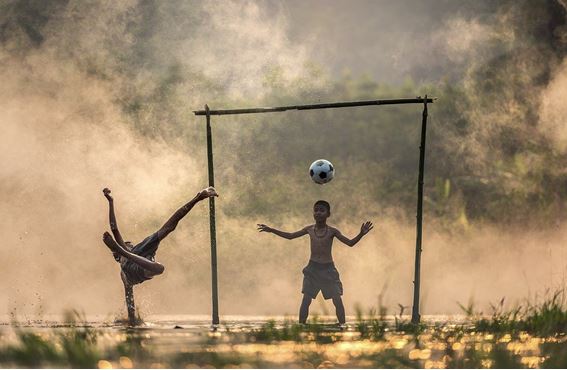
(320, 273)
(137, 262)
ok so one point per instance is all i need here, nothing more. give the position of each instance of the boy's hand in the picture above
(106, 192)
(264, 228)
(366, 227)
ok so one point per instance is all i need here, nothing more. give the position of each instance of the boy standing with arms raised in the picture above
(320, 273)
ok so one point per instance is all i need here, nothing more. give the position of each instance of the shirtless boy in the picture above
(320, 273)
(137, 262)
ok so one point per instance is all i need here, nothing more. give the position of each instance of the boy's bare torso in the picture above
(321, 243)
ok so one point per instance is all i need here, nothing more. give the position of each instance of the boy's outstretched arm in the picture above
(112, 218)
(283, 234)
(364, 229)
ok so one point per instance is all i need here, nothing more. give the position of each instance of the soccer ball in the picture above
(321, 171)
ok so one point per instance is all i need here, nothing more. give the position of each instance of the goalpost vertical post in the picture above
(212, 219)
(415, 316)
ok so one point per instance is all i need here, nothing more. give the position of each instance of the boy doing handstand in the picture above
(320, 273)
(137, 263)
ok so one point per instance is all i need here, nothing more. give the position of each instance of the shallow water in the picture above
(190, 341)
(192, 321)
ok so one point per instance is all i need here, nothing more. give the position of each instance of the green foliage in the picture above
(270, 332)
(546, 318)
(33, 351)
(314, 330)
(371, 327)
(75, 348)
(549, 317)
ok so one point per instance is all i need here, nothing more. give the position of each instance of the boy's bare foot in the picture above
(111, 243)
(207, 193)
(106, 192)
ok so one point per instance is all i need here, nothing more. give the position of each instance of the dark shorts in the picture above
(146, 248)
(322, 277)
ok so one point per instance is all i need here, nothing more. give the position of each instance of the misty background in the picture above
(101, 93)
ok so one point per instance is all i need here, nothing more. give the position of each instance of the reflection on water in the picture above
(194, 321)
(190, 342)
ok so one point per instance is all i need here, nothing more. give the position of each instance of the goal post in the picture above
(419, 217)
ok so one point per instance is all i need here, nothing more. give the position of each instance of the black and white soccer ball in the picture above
(321, 171)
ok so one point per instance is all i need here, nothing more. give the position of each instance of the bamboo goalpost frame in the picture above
(362, 103)
(415, 318)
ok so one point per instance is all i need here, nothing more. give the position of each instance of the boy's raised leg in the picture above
(340, 309)
(304, 309)
(171, 224)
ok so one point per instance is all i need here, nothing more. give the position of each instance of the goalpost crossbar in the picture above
(223, 112)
